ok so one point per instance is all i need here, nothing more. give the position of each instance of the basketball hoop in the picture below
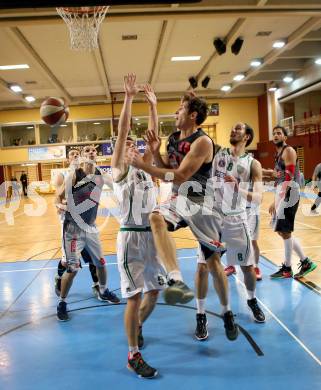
(83, 24)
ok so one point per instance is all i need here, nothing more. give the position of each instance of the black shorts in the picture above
(286, 224)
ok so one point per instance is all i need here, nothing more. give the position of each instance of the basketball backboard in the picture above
(11, 4)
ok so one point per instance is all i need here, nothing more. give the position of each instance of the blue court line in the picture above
(169, 331)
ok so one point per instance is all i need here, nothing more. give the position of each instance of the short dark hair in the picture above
(284, 130)
(249, 131)
(73, 149)
(198, 105)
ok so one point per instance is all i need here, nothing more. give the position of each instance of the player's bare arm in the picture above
(200, 153)
(117, 162)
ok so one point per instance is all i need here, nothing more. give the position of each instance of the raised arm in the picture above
(200, 151)
(152, 119)
(117, 162)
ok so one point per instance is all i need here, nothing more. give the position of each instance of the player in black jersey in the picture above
(188, 164)
(286, 177)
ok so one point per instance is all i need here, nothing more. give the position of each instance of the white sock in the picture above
(288, 247)
(298, 249)
(102, 288)
(175, 275)
(200, 304)
(225, 308)
(132, 351)
(61, 299)
(251, 294)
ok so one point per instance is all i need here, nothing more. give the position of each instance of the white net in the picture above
(83, 24)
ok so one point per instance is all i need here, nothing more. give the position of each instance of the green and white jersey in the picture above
(136, 195)
(226, 194)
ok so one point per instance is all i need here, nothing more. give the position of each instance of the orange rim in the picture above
(81, 11)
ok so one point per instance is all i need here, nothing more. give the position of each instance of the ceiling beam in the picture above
(230, 37)
(292, 41)
(200, 12)
(293, 64)
(303, 50)
(30, 49)
(101, 68)
(4, 85)
(313, 36)
(261, 3)
(164, 39)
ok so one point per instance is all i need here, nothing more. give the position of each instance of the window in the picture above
(96, 130)
(18, 135)
(51, 135)
(166, 125)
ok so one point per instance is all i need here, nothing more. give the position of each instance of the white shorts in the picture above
(138, 264)
(75, 240)
(253, 221)
(204, 223)
(236, 237)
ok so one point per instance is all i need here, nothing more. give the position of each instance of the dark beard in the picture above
(233, 142)
(279, 144)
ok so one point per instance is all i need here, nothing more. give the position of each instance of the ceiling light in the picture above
(29, 127)
(193, 82)
(11, 67)
(206, 81)
(220, 46)
(63, 125)
(273, 89)
(278, 44)
(256, 63)
(186, 58)
(30, 98)
(239, 77)
(97, 123)
(237, 45)
(161, 123)
(288, 79)
(226, 88)
(15, 88)
(318, 61)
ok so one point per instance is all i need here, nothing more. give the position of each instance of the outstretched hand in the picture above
(152, 141)
(150, 94)
(130, 87)
(134, 158)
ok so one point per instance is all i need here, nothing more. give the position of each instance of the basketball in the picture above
(53, 111)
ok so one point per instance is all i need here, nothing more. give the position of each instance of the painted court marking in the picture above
(306, 349)
(85, 265)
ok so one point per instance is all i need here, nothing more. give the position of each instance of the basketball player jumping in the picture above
(140, 270)
(286, 203)
(189, 157)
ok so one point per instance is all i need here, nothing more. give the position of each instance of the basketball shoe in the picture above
(305, 266)
(138, 365)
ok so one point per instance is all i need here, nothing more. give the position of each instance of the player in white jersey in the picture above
(233, 169)
(253, 221)
(73, 159)
(140, 270)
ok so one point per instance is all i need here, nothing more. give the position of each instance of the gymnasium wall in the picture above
(230, 112)
(311, 144)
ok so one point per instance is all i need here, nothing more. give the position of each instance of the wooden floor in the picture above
(38, 238)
